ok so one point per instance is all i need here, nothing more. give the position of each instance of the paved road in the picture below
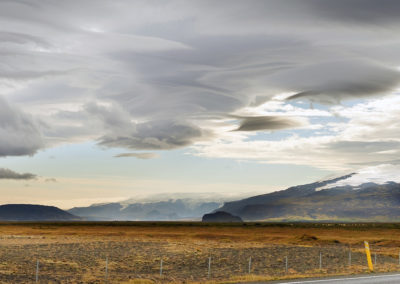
(368, 279)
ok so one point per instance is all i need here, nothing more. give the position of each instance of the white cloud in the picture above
(151, 75)
(380, 174)
(369, 134)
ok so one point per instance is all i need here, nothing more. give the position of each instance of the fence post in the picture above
(349, 257)
(320, 260)
(374, 258)
(209, 267)
(286, 264)
(106, 276)
(161, 263)
(37, 271)
(250, 265)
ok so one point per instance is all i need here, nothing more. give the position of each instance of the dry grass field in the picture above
(77, 252)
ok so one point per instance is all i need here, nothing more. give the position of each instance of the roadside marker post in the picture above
(368, 253)
(161, 266)
(37, 271)
(374, 258)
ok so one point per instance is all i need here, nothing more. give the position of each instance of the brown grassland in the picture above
(75, 252)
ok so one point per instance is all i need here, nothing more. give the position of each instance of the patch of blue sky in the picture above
(327, 107)
(241, 171)
(325, 120)
(353, 102)
(67, 160)
(309, 105)
(278, 135)
(270, 135)
(87, 160)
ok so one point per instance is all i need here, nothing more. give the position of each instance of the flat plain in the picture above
(76, 252)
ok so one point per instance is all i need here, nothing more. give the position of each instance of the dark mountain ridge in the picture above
(310, 202)
(29, 212)
(221, 217)
(294, 191)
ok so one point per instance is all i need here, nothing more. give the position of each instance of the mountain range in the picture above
(168, 210)
(346, 198)
(330, 200)
(336, 199)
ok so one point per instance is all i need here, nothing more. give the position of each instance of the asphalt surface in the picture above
(367, 279)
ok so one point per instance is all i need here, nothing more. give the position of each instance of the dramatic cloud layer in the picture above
(9, 174)
(162, 75)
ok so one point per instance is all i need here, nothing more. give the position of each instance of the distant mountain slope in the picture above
(173, 209)
(269, 198)
(366, 202)
(109, 211)
(28, 212)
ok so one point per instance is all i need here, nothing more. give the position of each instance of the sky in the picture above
(102, 101)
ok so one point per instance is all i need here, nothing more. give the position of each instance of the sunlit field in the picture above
(190, 252)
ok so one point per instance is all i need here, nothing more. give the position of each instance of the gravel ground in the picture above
(84, 262)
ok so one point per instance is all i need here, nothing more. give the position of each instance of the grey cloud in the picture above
(176, 85)
(19, 132)
(20, 38)
(249, 123)
(156, 135)
(367, 12)
(336, 81)
(157, 80)
(44, 93)
(9, 174)
(113, 118)
(27, 74)
(143, 156)
(165, 134)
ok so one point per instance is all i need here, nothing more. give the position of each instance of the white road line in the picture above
(341, 279)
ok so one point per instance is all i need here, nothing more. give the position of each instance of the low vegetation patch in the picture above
(71, 253)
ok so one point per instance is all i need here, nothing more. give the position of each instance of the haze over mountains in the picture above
(353, 197)
(163, 210)
(163, 207)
